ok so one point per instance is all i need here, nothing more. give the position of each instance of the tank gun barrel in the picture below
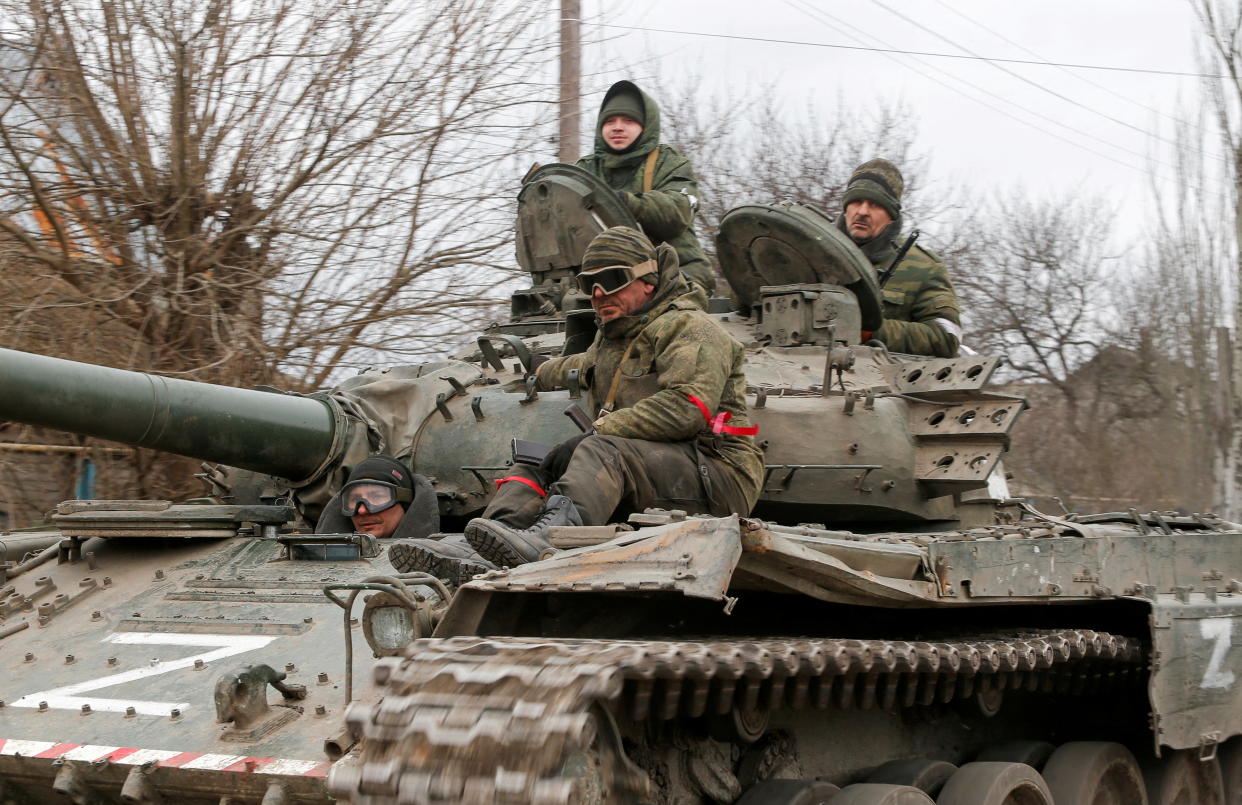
(276, 434)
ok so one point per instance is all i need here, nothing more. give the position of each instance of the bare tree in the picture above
(267, 186)
(1221, 54)
(1033, 289)
(259, 191)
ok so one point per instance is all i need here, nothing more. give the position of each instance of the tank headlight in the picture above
(388, 625)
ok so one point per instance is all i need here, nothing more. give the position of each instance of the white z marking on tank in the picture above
(1219, 630)
(69, 697)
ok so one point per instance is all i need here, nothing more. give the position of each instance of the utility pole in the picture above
(571, 71)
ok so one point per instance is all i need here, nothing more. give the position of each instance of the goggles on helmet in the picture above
(611, 279)
(377, 496)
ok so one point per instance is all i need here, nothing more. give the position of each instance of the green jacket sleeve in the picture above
(692, 357)
(666, 211)
(933, 325)
(553, 374)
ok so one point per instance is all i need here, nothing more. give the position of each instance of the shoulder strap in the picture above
(611, 399)
(649, 169)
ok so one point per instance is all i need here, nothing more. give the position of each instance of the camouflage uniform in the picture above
(666, 213)
(655, 448)
(920, 306)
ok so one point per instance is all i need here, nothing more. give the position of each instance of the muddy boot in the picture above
(510, 546)
(450, 558)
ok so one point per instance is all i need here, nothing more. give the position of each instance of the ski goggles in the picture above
(377, 496)
(611, 279)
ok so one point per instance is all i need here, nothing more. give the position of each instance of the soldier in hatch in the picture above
(379, 499)
(672, 426)
(654, 180)
(920, 306)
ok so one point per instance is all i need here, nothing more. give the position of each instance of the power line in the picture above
(1175, 118)
(1036, 55)
(818, 15)
(1024, 79)
(1040, 63)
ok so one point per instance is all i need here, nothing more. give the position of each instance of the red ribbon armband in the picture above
(522, 480)
(717, 422)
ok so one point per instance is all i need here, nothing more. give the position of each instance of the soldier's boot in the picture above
(509, 546)
(450, 558)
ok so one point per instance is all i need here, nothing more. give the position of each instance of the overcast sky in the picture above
(1047, 129)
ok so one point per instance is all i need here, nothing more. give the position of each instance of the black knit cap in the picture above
(624, 102)
(382, 468)
(879, 181)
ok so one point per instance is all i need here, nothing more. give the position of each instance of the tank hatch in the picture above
(560, 208)
(790, 244)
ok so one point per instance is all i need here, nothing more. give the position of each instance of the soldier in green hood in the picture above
(920, 306)
(666, 384)
(654, 179)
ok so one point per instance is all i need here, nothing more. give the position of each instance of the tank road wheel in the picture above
(1095, 773)
(925, 774)
(789, 792)
(741, 724)
(995, 784)
(1033, 753)
(879, 794)
(1180, 778)
(1230, 757)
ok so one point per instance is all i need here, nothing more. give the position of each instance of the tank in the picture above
(887, 626)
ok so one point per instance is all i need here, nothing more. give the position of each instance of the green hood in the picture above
(646, 141)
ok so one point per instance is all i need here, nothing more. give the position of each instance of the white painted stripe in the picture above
(89, 752)
(25, 748)
(146, 756)
(69, 697)
(293, 767)
(213, 762)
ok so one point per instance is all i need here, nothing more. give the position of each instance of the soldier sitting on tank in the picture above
(653, 179)
(672, 427)
(920, 306)
(384, 499)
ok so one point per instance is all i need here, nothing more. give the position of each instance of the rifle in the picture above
(887, 273)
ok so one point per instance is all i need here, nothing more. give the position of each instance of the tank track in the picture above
(474, 720)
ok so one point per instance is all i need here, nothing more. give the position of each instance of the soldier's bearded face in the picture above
(865, 219)
(622, 303)
(620, 131)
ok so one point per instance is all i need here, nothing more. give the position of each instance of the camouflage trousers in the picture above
(610, 477)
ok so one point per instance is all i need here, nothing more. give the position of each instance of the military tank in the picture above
(886, 627)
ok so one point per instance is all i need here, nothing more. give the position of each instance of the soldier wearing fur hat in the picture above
(654, 180)
(920, 306)
(665, 382)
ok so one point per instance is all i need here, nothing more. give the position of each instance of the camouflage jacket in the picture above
(666, 213)
(920, 306)
(678, 352)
